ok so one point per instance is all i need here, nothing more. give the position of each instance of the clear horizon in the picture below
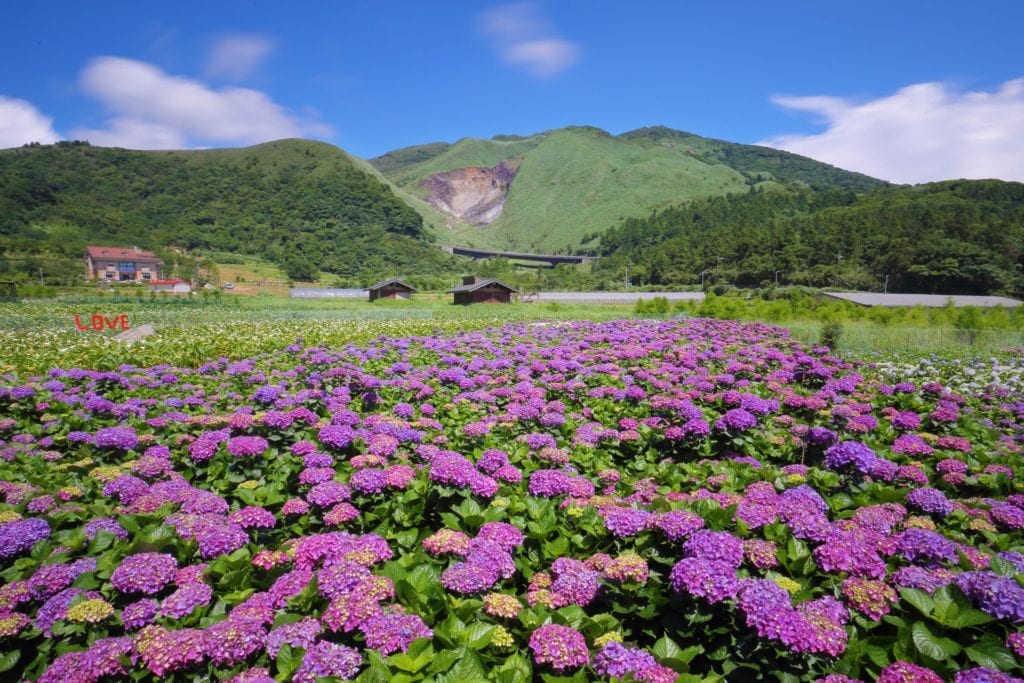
(892, 90)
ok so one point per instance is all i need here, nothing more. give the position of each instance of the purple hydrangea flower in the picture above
(560, 646)
(146, 573)
(21, 534)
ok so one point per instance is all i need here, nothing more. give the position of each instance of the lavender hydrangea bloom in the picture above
(678, 524)
(717, 546)
(736, 420)
(617, 660)
(930, 500)
(1000, 596)
(21, 534)
(146, 573)
(850, 453)
(710, 579)
(328, 660)
(120, 438)
(625, 522)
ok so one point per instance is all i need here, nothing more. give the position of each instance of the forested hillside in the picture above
(954, 236)
(305, 205)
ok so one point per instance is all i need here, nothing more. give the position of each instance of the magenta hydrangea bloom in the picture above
(185, 600)
(247, 446)
(328, 660)
(905, 672)
(559, 646)
(233, 640)
(677, 524)
(164, 651)
(138, 614)
(390, 633)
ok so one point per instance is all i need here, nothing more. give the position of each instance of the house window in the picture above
(145, 276)
(126, 266)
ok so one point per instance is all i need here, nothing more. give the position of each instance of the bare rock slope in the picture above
(473, 194)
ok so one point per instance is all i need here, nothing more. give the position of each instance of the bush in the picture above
(658, 306)
(831, 332)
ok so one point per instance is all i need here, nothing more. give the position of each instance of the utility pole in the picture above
(885, 287)
(41, 283)
(839, 260)
(777, 277)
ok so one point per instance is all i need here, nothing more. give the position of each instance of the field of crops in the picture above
(565, 501)
(38, 336)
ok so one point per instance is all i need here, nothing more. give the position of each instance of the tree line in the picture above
(959, 236)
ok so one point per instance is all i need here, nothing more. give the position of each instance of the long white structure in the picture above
(927, 300)
(611, 297)
(325, 293)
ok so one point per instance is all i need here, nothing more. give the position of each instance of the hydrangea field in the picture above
(630, 500)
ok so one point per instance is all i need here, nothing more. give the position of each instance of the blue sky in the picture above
(907, 91)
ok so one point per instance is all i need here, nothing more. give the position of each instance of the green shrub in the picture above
(831, 332)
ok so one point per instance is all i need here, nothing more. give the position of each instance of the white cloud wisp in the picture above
(524, 38)
(150, 109)
(21, 123)
(922, 133)
(236, 57)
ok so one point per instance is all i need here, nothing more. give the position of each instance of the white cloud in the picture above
(21, 123)
(523, 37)
(236, 57)
(922, 133)
(150, 109)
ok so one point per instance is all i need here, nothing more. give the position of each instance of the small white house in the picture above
(172, 286)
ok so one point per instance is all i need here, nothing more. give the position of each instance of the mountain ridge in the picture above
(576, 182)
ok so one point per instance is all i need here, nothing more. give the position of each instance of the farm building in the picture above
(121, 264)
(926, 300)
(325, 293)
(474, 290)
(392, 288)
(173, 286)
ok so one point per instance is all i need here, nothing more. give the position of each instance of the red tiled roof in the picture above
(121, 252)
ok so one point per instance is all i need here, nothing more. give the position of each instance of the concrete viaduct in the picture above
(550, 260)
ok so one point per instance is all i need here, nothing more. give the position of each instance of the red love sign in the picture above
(100, 322)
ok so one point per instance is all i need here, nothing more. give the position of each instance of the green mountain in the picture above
(300, 203)
(962, 236)
(559, 190)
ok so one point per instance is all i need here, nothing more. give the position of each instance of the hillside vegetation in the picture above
(575, 183)
(304, 205)
(950, 237)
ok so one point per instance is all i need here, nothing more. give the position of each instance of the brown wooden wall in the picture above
(484, 295)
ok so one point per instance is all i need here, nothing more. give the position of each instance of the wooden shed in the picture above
(474, 290)
(392, 288)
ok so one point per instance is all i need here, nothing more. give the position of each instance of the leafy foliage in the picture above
(962, 236)
(287, 200)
